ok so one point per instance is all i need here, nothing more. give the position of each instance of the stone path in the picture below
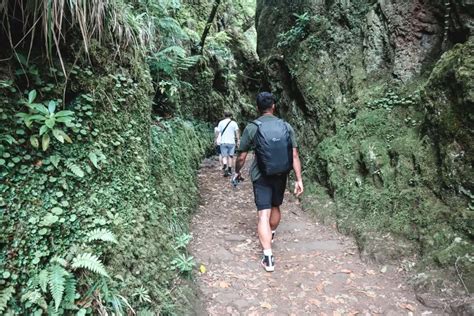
(318, 271)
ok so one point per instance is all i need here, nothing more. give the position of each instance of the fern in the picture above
(35, 298)
(89, 262)
(170, 26)
(101, 234)
(75, 169)
(43, 279)
(184, 63)
(57, 280)
(70, 293)
(5, 296)
(59, 260)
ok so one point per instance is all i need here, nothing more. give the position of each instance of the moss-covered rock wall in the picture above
(99, 150)
(380, 93)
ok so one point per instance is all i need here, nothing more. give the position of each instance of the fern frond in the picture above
(70, 292)
(171, 27)
(172, 50)
(89, 262)
(75, 169)
(43, 279)
(184, 63)
(5, 296)
(57, 280)
(59, 260)
(101, 234)
(35, 297)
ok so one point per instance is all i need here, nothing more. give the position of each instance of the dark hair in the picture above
(227, 114)
(265, 100)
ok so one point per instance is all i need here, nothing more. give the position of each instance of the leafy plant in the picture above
(5, 296)
(101, 234)
(182, 241)
(183, 263)
(142, 295)
(59, 282)
(46, 121)
(297, 32)
(74, 168)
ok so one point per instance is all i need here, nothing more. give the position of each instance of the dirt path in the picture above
(317, 272)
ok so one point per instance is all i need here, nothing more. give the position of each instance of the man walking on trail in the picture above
(276, 153)
(229, 133)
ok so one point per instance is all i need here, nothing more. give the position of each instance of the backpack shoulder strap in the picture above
(226, 127)
(256, 122)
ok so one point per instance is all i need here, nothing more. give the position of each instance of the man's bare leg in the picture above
(275, 217)
(264, 230)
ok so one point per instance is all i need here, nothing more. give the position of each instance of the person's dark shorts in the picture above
(218, 150)
(269, 191)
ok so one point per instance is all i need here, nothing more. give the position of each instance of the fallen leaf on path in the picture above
(368, 293)
(332, 300)
(314, 301)
(320, 288)
(266, 305)
(224, 285)
(407, 307)
(202, 268)
(384, 269)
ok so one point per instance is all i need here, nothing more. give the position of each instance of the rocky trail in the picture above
(318, 271)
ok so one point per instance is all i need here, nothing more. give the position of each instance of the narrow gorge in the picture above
(107, 111)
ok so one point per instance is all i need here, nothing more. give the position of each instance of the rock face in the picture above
(381, 95)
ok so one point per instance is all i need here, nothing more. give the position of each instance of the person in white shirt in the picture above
(229, 137)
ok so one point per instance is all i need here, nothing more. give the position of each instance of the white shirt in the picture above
(228, 137)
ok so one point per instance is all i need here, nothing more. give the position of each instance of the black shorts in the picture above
(269, 191)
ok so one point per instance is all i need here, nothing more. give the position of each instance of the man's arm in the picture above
(297, 167)
(239, 163)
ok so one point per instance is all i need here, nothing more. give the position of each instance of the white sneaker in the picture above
(268, 263)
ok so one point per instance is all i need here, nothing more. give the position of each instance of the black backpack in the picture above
(273, 147)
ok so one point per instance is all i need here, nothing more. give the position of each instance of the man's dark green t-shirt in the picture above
(247, 142)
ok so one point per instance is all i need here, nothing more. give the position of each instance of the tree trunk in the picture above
(209, 24)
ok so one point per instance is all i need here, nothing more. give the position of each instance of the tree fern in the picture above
(5, 296)
(57, 280)
(75, 169)
(101, 234)
(89, 262)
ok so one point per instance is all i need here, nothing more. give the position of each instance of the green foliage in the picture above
(183, 263)
(75, 169)
(45, 121)
(124, 173)
(101, 234)
(90, 262)
(112, 22)
(5, 296)
(57, 280)
(182, 241)
(297, 33)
